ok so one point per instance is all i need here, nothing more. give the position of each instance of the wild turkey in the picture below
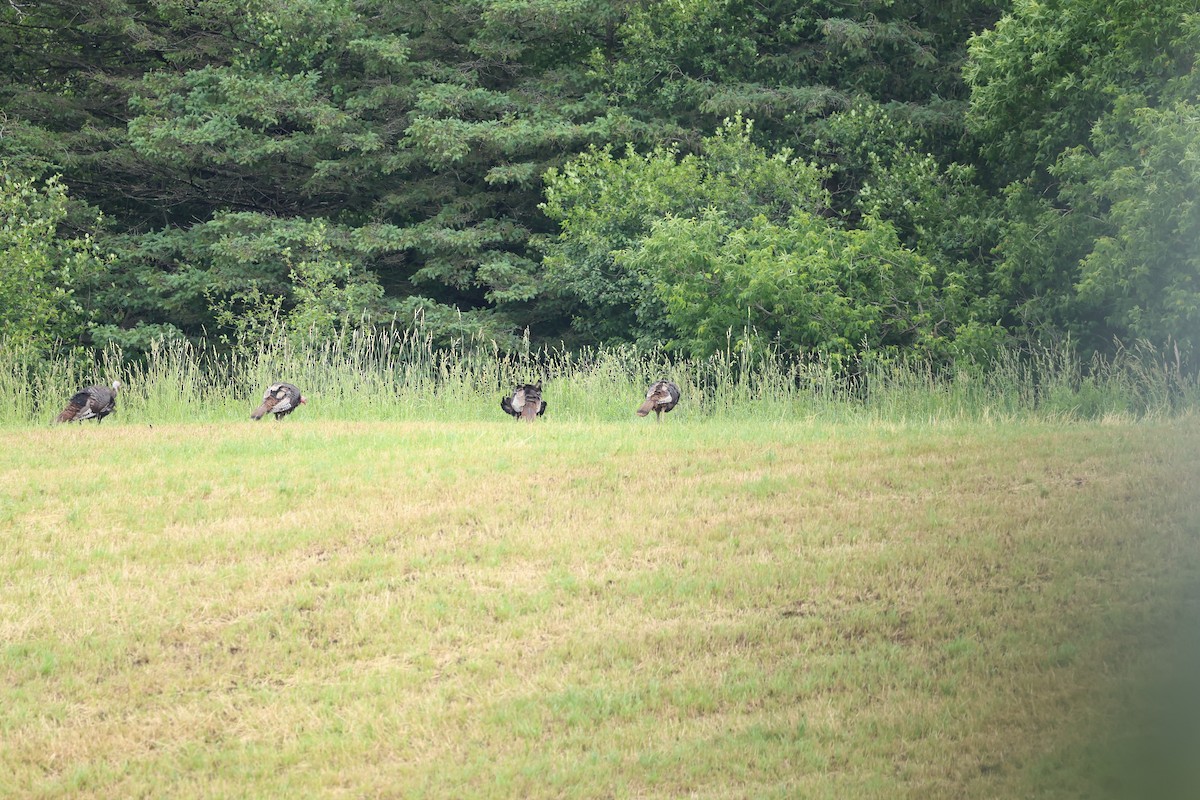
(280, 399)
(94, 402)
(661, 396)
(525, 402)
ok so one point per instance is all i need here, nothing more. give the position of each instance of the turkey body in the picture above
(525, 402)
(280, 399)
(661, 396)
(94, 402)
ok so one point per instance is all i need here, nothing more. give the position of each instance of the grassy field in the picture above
(703, 608)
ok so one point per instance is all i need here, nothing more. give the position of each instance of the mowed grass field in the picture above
(702, 608)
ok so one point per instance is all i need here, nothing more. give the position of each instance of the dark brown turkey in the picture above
(525, 402)
(94, 402)
(280, 399)
(661, 396)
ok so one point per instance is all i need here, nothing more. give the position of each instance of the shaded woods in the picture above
(893, 178)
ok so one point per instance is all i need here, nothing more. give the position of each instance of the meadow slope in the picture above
(717, 609)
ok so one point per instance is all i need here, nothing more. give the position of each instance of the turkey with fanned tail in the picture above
(280, 399)
(661, 396)
(525, 402)
(94, 402)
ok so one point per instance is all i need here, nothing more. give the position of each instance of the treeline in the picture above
(891, 176)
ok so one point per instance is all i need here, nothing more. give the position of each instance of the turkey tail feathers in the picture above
(265, 408)
(94, 402)
(76, 405)
(280, 399)
(525, 402)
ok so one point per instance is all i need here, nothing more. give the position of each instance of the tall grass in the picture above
(384, 373)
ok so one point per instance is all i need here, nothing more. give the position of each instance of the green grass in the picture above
(383, 374)
(710, 607)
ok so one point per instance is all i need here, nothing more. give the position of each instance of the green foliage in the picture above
(881, 164)
(606, 205)
(217, 136)
(327, 293)
(1030, 97)
(221, 117)
(1142, 176)
(701, 247)
(420, 131)
(329, 296)
(603, 204)
(788, 64)
(42, 264)
(1094, 126)
(1049, 69)
(883, 168)
(805, 285)
(248, 317)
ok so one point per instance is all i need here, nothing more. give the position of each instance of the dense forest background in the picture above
(936, 179)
